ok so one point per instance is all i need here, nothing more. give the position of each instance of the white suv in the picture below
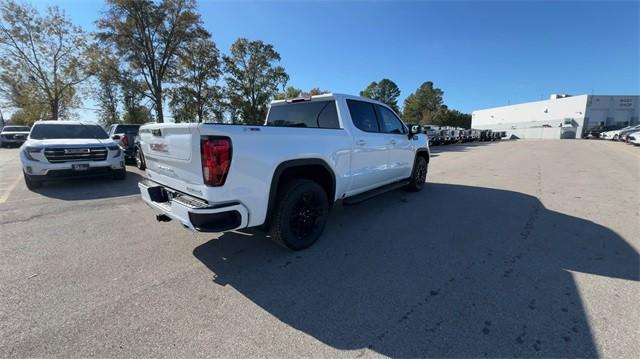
(13, 135)
(67, 149)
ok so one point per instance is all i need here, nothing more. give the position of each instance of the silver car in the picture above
(14, 135)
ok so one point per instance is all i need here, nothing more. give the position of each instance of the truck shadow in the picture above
(451, 271)
(460, 147)
(91, 188)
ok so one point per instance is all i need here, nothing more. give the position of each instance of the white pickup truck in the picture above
(284, 175)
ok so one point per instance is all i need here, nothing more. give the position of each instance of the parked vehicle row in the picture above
(634, 138)
(629, 134)
(444, 135)
(282, 176)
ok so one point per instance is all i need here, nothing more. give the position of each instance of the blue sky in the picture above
(482, 54)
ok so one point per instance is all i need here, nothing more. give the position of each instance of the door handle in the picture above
(361, 142)
(393, 142)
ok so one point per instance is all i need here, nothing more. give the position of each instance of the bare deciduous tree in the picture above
(41, 56)
(149, 35)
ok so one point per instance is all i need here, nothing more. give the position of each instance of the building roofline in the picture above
(539, 101)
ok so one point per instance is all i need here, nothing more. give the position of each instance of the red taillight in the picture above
(125, 141)
(216, 159)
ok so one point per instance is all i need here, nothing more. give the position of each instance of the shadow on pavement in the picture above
(91, 188)
(450, 271)
(460, 147)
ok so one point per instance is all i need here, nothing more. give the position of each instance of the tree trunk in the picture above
(200, 111)
(54, 106)
(158, 105)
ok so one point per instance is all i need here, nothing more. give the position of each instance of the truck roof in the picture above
(65, 122)
(326, 96)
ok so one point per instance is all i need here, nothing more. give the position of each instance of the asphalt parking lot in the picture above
(525, 248)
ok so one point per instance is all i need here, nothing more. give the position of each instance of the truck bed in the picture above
(173, 158)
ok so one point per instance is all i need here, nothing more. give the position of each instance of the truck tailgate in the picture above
(168, 141)
(172, 155)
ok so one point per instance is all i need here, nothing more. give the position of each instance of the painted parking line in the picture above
(9, 189)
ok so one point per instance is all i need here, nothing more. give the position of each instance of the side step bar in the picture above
(374, 192)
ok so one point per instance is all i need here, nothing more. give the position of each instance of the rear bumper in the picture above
(193, 213)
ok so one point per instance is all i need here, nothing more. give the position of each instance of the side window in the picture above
(328, 117)
(363, 115)
(312, 114)
(389, 122)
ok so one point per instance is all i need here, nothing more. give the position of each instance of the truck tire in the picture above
(300, 215)
(140, 159)
(418, 175)
(31, 182)
(120, 174)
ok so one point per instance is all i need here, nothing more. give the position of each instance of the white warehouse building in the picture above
(562, 116)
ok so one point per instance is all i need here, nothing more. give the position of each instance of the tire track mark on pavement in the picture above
(54, 211)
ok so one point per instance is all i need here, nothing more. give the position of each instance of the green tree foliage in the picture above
(438, 117)
(253, 78)
(293, 92)
(426, 107)
(137, 114)
(385, 91)
(149, 35)
(131, 91)
(42, 60)
(289, 92)
(315, 92)
(458, 119)
(22, 95)
(107, 90)
(197, 97)
(446, 117)
(422, 104)
(117, 94)
(23, 117)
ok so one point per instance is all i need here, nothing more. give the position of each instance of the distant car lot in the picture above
(510, 250)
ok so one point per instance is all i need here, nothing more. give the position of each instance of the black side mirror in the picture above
(414, 130)
(115, 137)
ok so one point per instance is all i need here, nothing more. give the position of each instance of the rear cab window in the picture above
(311, 114)
(128, 129)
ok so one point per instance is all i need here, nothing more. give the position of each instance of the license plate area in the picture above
(160, 194)
(80, 166)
